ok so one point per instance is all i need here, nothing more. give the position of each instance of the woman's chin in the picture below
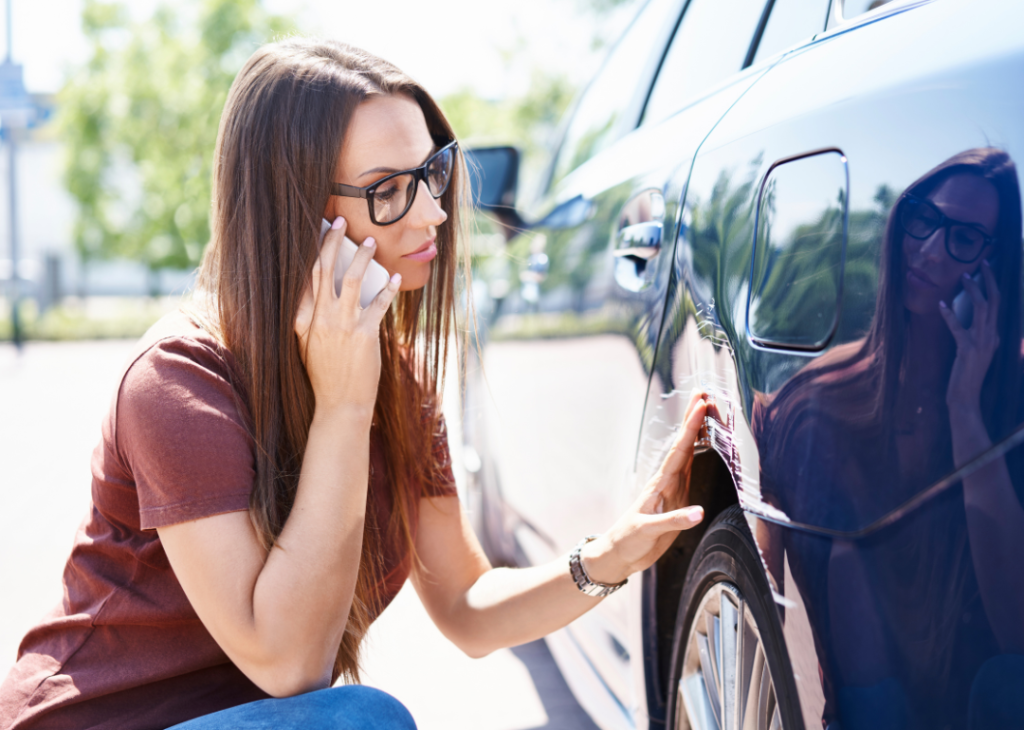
(921, 305)
(414, 278)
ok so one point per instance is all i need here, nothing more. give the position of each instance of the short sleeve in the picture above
(441, 479)
(181, 435)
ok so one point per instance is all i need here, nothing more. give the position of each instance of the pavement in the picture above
(52, 399)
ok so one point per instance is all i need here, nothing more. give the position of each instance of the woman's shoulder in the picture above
(181, 427)
(177, 351)
(178, 370)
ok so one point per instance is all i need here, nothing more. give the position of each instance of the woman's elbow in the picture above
(476, 652)
(475, 647)
(288, 679)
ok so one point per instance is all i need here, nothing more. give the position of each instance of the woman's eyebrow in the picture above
(389, 170)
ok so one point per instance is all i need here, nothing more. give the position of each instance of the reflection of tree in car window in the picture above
(914, 619)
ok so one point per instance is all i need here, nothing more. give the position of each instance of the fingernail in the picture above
(369, 243)
(966, 276)
(338, 223)
(943, 305)
(396, 278)
(696, 515)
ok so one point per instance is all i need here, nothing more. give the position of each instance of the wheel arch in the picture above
(712, 486)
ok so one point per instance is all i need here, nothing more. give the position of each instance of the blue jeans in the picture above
(352, 707)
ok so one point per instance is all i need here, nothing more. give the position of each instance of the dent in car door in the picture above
(887, 587)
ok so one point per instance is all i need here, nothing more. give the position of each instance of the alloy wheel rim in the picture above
(725, 683)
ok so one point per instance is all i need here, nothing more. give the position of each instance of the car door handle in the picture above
(640, 240)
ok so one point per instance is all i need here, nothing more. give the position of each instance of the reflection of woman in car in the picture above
(274, 467)
(919, 623)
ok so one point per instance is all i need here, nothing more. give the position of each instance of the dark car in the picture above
(809, 210)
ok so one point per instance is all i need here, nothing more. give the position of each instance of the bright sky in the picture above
(488, 45)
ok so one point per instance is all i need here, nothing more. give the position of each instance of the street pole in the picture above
(8, 133)
(16, 112)
(12, 155)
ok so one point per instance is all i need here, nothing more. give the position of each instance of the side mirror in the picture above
(494, 176)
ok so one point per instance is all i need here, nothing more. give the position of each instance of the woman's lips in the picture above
(918, 277)
(426, 252)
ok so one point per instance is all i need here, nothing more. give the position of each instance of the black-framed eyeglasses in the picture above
(392, 196)
(965, 242)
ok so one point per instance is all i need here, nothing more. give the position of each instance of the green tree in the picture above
(140, 122)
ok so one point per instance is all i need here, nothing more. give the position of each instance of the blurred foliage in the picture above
(140, 122)
(101, 318)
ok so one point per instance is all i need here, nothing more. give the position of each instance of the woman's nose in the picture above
(426, 210)
(934, 247)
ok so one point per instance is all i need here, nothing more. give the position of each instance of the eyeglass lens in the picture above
(393, 197)
(921, 219)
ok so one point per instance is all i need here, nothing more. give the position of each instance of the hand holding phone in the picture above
(375, 278)
(963, 305)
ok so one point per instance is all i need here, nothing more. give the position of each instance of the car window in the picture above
(853, 8)
(846, 10)
(791, 21)
(602, 114)
(711, 43)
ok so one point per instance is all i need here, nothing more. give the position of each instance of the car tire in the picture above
(727, 610)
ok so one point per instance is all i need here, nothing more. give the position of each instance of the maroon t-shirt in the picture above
(125, 650)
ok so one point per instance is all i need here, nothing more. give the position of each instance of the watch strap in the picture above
(582, 580)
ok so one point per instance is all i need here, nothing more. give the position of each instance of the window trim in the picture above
(751, 50)
(758, 32)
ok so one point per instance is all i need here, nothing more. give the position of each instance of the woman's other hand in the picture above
(975, 345)
(650, 525)
(338, 341)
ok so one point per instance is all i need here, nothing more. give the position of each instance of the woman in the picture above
(916, 620)
(274, 465)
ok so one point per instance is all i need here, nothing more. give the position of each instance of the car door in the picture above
(778, 308)
(570, 347)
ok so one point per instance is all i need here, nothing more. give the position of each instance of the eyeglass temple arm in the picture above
(348, 191)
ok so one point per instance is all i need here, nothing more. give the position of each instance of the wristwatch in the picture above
(583, 581)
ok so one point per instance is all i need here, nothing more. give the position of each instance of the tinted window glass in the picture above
(791, 21)
(711, 43)
(601, 116)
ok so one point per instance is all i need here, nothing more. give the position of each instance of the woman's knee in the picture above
(996, 698)
(352, 707)
(366, 708)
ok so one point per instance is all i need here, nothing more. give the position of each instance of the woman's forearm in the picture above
(995, 526)
(482, 608)
(302, 596)
(511, 606)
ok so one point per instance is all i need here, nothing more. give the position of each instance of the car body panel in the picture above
(587, 379)
(935, 104)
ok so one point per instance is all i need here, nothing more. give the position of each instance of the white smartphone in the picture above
(375, 278)
(963, 305)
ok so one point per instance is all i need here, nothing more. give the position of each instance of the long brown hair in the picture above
(280, 137)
